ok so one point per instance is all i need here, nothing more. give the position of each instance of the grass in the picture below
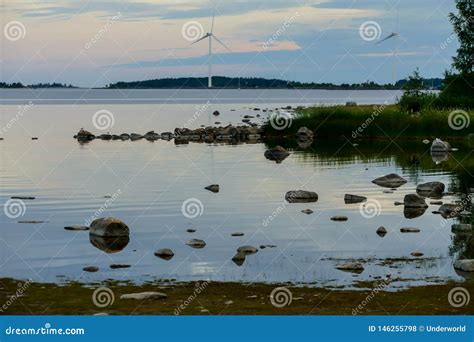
(76, 299)
(383, 121)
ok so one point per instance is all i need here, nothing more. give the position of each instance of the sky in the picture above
(97, 42)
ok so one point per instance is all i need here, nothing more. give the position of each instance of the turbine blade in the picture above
(219, 41)
(212, 24)
(391, 35)
(203, 37)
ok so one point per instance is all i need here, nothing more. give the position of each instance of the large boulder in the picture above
(390, 181)
(277, 154)
(430, 189)
(466, 265)
(414, 201)
(109, 227)
(301, 196)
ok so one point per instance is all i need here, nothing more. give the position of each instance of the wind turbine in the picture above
(394, 34)
(211, 36)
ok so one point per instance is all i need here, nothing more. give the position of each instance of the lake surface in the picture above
(150, 181)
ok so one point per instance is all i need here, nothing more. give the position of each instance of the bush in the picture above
(417, 103)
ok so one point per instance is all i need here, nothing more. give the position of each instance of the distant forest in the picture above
(233, 83)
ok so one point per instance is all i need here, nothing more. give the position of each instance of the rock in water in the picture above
(461, 228)
(113, 244)
(196, 243)
(355, 267)
(430, 189)
(91, 269)
(277, 154)
(109, 227)
(165, 254)
(301, 196)
(237, 234)
(390, 181)
(144, 295)
(450, 210)
(466, 265)
(239, 259)
(304, 133)
(409, 230)
(381, 231)
(439, 145)
(307, 211)
(78, 227)
(247, 250)
(216, 113)
(84, 135)
(339, 218)
(213, 188)
(414, 201)
(348, 199)
(416, 254)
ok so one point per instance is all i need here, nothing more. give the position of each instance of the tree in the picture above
(414, 84)
(463, 25)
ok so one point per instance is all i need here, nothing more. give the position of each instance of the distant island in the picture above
(222, 82)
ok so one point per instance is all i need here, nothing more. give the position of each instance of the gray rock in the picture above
(414, 201)
(144, 296)
(307, 211)
(247, 250)
(239, 259)
(409, 230)
(301, 196)
(164, 253)
(277, 154)
(430, 189)
(109, 227)
(196, 243)
(91, 269)
(77, 227)
(390, 181)
(450, 210)
(213, 188)
(355, 267)
(466, 265)
(117, 266)
(237, 234)
(439, 145)
(381, 231)
(416, 254)
(348, 199)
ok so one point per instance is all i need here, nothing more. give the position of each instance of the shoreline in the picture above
(227, 298)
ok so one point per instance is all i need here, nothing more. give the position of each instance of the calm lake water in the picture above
(150, 181)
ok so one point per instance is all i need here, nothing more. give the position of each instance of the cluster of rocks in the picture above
(183, 135)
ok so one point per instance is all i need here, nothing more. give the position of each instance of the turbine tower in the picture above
(211, 36)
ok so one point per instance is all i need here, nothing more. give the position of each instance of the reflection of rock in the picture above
(461, 228)
(355, 267)
(430, 189)
(414, 201)
(304, 134)
(411, 213)
(466, 265)
(439, 157)
(301, 196)
(213, 188)
(277, 154)
(390, 181)
(109, 244)
(439, 145)
(239, 259)
(109, 227)
(348, 199)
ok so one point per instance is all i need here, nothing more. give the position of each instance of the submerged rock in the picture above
(348, 199)
(301, 196)
(213, 188)
(196, 243)
(164, 253)
(77, 227)
(414, 201)
(109, 227)
(355, 267)
(409, 230)
(277, 154)
(390, 181)
(430, 189)
(144, 295)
